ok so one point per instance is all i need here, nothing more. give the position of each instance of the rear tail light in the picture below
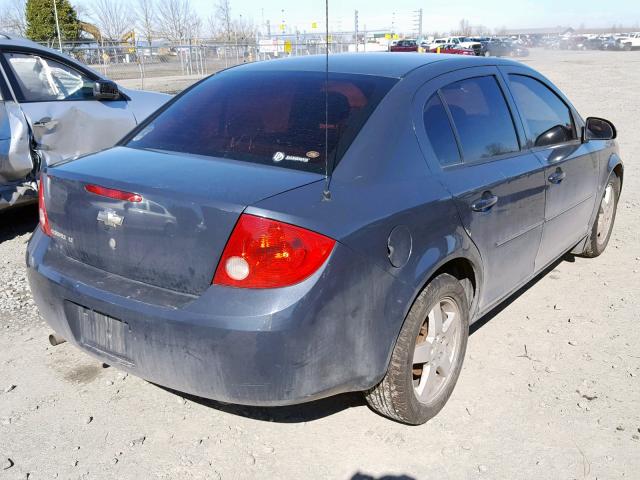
(42, 208)
(264, 253)
(114, 194)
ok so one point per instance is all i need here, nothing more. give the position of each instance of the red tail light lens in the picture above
(264, 253)
(42, 208)
(115, 194)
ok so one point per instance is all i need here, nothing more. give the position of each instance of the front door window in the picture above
(43, 80)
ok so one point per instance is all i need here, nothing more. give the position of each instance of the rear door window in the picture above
(547, 117)
(280, 118)
(440, 133)
(481, 117)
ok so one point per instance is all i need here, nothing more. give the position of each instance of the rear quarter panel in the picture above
(383, 182)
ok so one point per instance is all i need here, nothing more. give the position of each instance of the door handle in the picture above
(485, 203)
(46, 122)
(558, 176)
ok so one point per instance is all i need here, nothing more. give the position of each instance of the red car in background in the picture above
(404, 46)
(451, 49)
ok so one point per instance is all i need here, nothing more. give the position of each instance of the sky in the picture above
(438, 15)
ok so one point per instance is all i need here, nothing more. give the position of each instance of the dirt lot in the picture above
(550, 386)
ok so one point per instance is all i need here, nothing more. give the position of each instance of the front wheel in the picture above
(603, 224)
(427, 359)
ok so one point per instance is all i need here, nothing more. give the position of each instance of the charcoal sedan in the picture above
(277, 234)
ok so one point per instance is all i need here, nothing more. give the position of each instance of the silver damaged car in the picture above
(53, 108)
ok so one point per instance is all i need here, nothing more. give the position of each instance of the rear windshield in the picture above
(274, 118)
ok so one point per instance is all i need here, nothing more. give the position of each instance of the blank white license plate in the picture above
(103, 333)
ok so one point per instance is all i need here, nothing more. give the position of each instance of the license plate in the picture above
(100, 332)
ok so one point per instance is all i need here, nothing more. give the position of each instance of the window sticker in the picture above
(280, 156)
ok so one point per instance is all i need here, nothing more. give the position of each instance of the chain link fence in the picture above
(180, 63)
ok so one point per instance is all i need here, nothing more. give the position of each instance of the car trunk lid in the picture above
(173, 234)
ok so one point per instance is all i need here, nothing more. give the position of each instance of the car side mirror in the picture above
(105, 90)
(599, 129)
(554, 136)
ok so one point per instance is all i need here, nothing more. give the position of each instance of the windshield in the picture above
(275, 118)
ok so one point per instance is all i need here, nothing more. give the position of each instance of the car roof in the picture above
(8, 40)
(382, 64)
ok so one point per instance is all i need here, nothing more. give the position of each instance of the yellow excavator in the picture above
(127, 40)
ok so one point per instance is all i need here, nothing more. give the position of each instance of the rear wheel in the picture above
(427, 359)
(603, 224)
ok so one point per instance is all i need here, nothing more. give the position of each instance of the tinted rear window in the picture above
(275, 118)
(482, 118)
(440, 133)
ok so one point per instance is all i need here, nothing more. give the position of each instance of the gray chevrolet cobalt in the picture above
(279, 233)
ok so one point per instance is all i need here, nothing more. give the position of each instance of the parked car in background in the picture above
(280, 285)
(501, 48)
(576, 42)
(436, 43)
(54, 108)
(630, 42)
(452, 49)
(467, 43)
(483, 42)
(608, 43)
(404, 46)
(594, 43)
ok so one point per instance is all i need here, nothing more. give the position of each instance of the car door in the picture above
(467, 131)
(57, 99)
(15, 156)
(571, 166)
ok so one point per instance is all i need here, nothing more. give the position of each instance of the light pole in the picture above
(55, 14)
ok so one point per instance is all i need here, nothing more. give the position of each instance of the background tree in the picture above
(112, 17)
(41, 23)
(176, 18)
(223, 17)
(12, 18)
(146, 24)
(464, 27)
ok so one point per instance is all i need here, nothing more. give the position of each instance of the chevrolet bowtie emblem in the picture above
(110, 218)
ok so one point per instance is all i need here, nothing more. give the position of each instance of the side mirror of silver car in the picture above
(599, 129)
(106, 90)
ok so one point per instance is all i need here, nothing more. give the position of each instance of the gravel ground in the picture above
(550, 386)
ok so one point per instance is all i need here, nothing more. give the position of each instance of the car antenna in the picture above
(326, 194)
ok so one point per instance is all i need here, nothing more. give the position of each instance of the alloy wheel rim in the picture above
(436, 350)
(605, 215)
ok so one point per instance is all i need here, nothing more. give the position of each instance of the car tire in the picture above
(411, 392)
(603, 223)
(627, 47)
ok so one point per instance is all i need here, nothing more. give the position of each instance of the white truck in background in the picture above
(630, 42)
(465, 42)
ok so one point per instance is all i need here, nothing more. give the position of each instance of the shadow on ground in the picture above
(304, 412)
(364, 476)
(18, 221)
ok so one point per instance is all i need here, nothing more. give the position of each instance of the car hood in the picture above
(143, 103)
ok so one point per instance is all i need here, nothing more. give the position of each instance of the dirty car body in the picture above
(160, 293)
(52, 109)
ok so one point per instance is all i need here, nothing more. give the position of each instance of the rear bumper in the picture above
(324, 336)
